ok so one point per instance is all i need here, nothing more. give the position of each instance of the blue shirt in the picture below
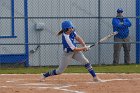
(121, 26)
(68, 42)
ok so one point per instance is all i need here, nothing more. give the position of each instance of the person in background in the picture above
(121, 25)
(71, 51)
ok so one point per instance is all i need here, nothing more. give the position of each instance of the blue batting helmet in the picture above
(67, 24)
(119, 10)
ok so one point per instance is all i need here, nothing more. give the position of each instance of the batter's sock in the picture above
(50, 73)
(90, 69)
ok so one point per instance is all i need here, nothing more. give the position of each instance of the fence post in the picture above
(138, 31)
(26, 32)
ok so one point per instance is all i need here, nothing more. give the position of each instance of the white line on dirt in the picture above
(114, 80)
(10, 81)
(3, 86)
(67, 90)
(120, 79)
(37, 84)
(62, 88)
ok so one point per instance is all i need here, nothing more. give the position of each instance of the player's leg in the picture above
(79, 56)
(66, 59)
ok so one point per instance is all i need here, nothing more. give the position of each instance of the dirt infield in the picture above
(70, 83)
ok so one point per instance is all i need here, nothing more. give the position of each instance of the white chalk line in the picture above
(109, 80)
(14, 80)
(11, 81)
(65, 79)
(63, 88)
(84, 81)
(3, 86)
(37, 85)
(69, 90)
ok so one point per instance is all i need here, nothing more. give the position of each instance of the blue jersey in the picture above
(122, 29)
(68, 42)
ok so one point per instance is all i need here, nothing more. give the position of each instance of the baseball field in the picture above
(115, 79)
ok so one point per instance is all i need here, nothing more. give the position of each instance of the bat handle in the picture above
(92, 45)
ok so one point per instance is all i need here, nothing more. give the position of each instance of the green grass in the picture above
(119, 69)
(74, 69)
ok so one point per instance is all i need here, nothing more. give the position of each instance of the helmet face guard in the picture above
(66, 25)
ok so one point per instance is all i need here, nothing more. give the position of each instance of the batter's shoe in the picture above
(95, 79)
(42, 78)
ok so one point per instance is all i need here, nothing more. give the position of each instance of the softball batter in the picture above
(71, 51)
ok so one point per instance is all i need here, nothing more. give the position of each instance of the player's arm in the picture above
(73, 46)
(80, 49)
(80, 40)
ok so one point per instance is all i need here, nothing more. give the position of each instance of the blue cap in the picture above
(67, 24)
(119, 10)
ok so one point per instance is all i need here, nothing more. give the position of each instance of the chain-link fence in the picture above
(29, 27)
